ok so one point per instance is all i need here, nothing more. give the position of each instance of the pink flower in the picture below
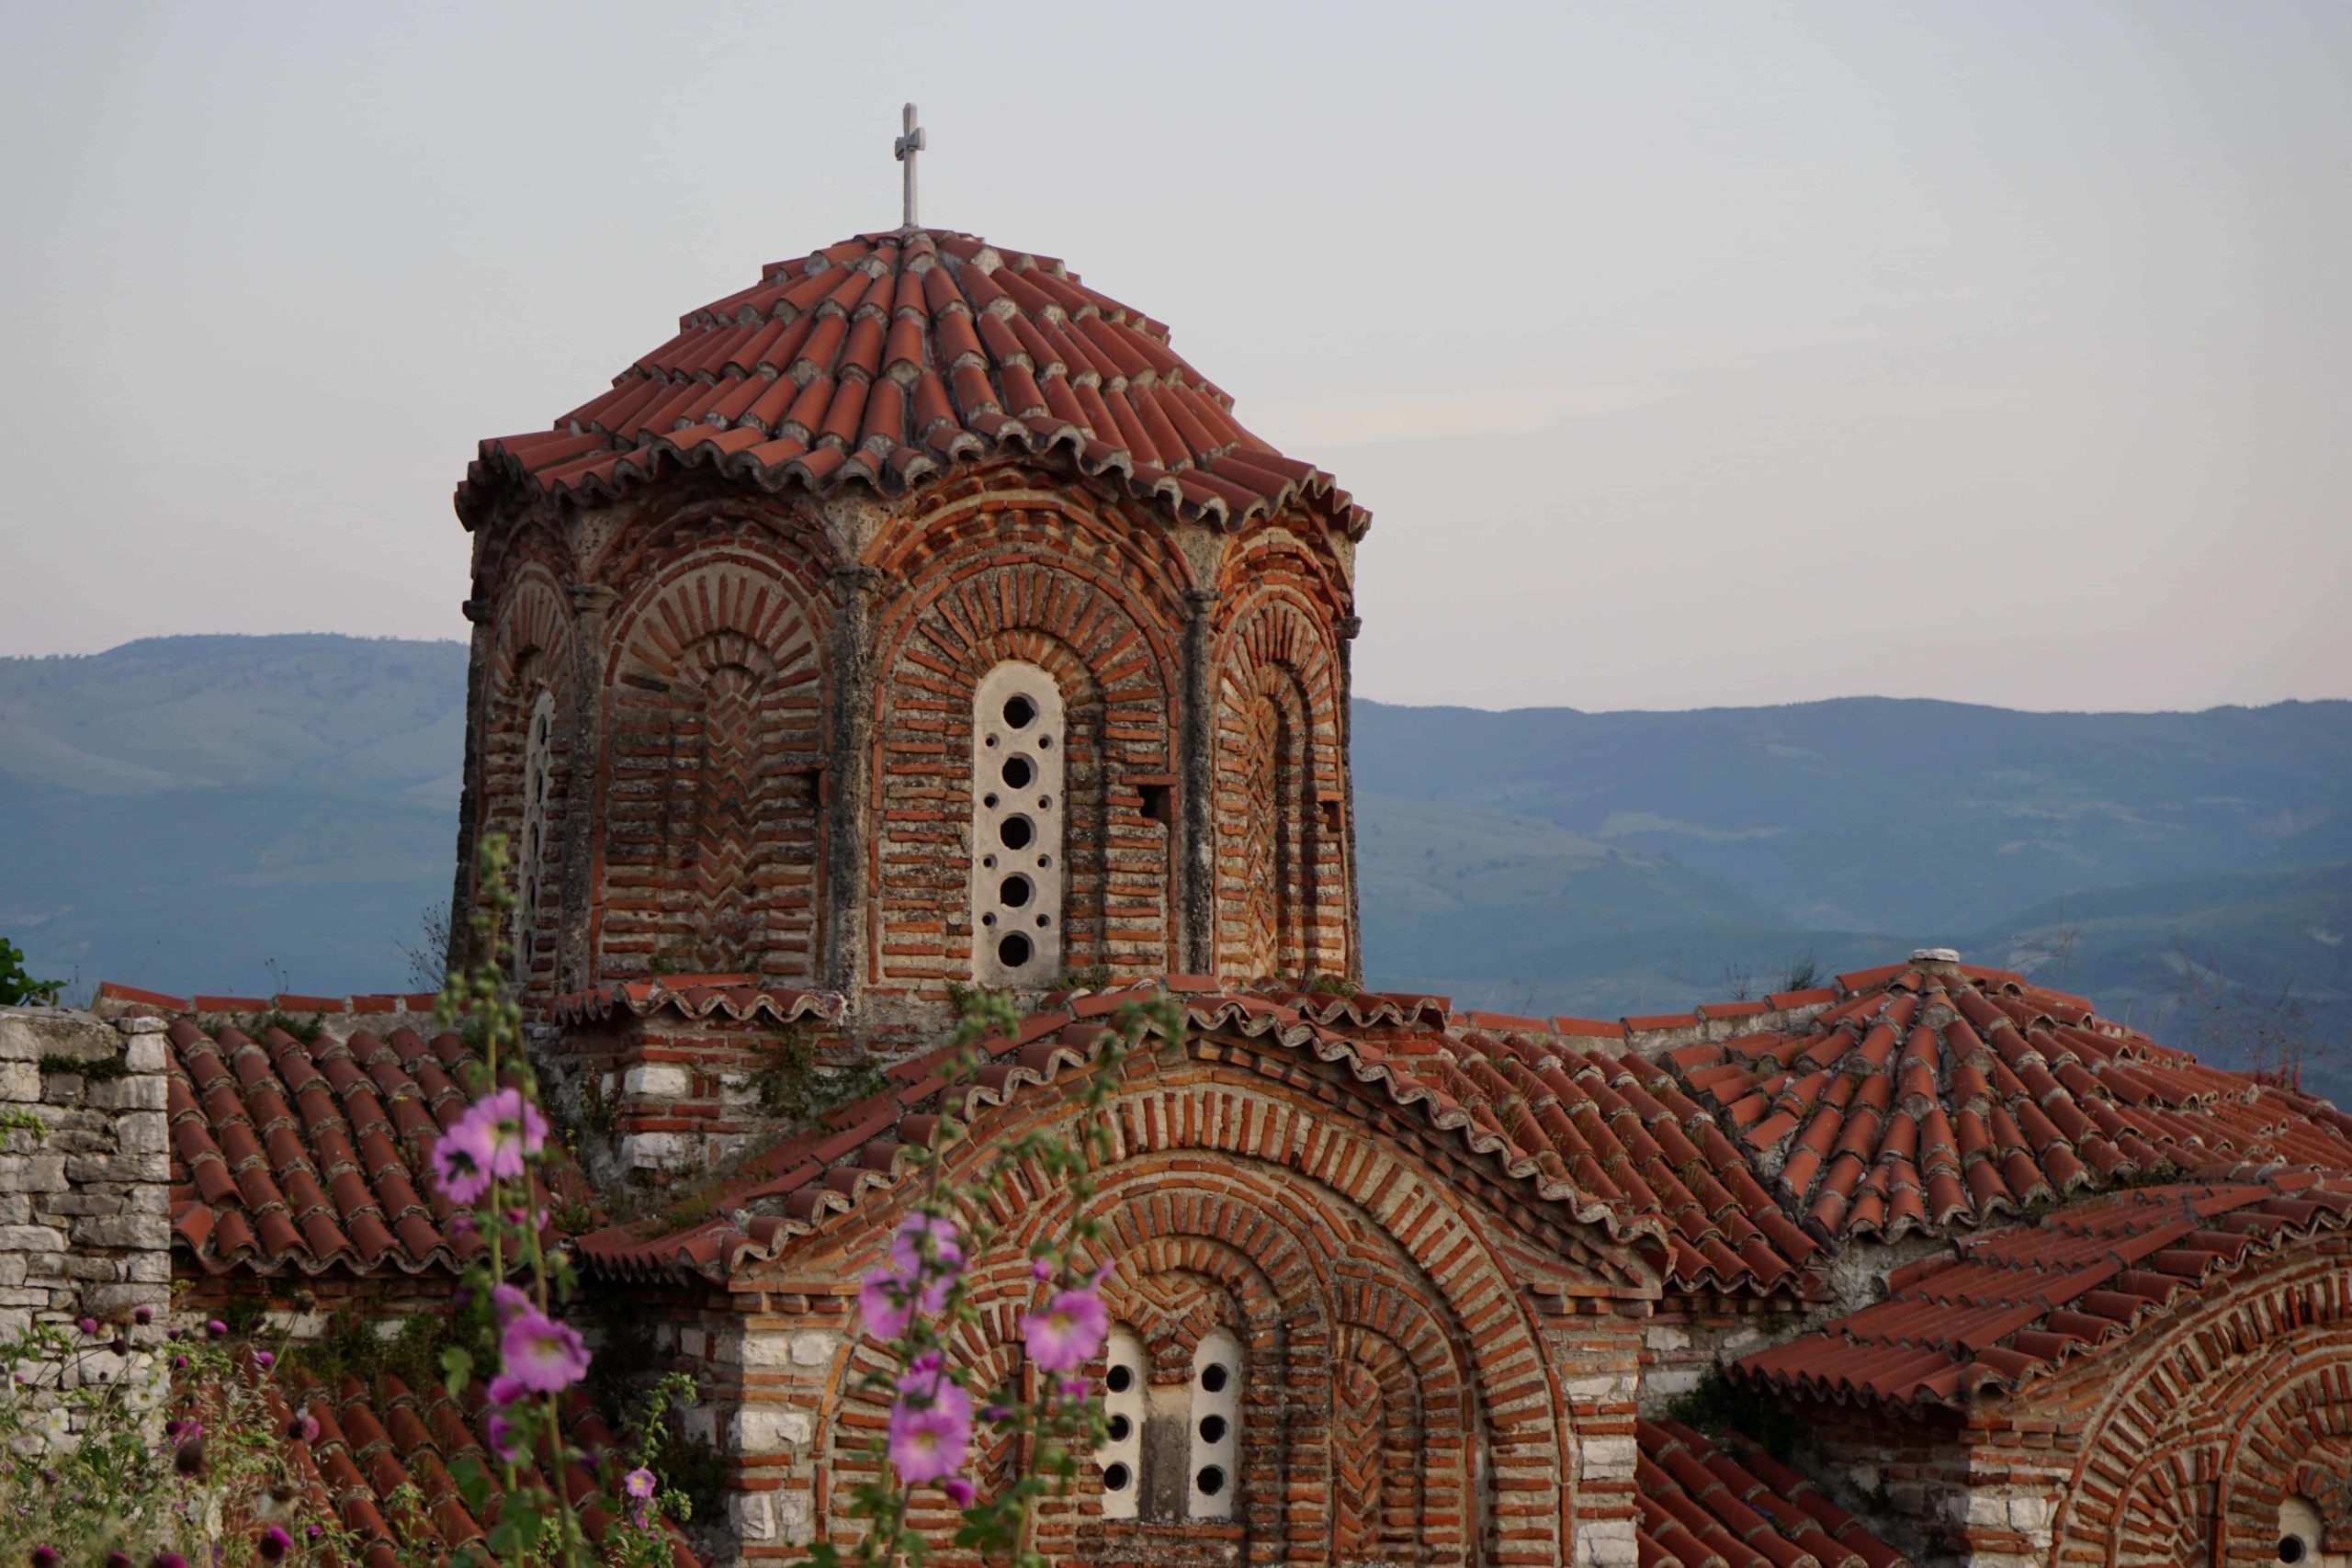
(506, 1389)
(506, 1301)
(542, 1354)
(275, 1544)
(216, 1328)
(945, 1250)
(461, 1160)
(505, 1437)
(265, 1359)
(89, 1325)
(516, 1128)
(926, 1256)
(1041, 1269)
(1068, 1332)
(637, 1483)
(931, 1426)
(959, 1491)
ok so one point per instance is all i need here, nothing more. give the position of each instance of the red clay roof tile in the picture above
(1144, 418)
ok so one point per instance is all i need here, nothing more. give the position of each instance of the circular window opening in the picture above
(1120, 1378)
(988, 919)
(1016, 832)
(1045, 860)
(1045, 920)
(992, 741)
(1015, 892)
(1019, 711)
(988, 800)
(989, 860)
(1116, 1478)
(1045, 803)
(1045, 742)
(1211, 1429)
(1019, 770)
(1213, 1377)
(1013, 950)
(1120, 1427)
(2290, 1549)
(1211, 1481)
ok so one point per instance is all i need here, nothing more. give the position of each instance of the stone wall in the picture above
(84, 1172)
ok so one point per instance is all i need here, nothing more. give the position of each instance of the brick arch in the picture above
(715, 696)
(1282, 864)
(1259, 1158)
(531, 656)
(675, 520)
(973, 585)
(2155, 1477)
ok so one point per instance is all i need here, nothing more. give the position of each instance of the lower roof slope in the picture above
(1707, 1503)
(1941, 1097)
(2013, 1304)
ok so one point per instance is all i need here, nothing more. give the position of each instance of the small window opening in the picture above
(1019, 711)
(1018, 772)
(1211, 1481)
(1014, 949)
(1016, 831)
(1015, 892)
(1160, 804)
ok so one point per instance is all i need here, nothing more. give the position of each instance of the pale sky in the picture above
(1686, 355)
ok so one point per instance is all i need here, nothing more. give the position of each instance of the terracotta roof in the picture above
(375, 1438)
(798, 1187)
(1708, 1505)
(1618, 1127)
(1928, 1099)
(739, 999)
(893, 358)
(308, 1156)
(2010, 1305)
(1610, 1136)
(366, 1003)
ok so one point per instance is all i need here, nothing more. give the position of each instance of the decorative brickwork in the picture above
(1282, 843)
(1002, 576)
(1232, 1202)
(716, 742)
(526, 756)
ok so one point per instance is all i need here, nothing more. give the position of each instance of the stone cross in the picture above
(906, 147)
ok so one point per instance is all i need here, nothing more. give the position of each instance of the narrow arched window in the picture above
(1216, 1436)
(530, 848)
(1119, 1458)
(1017, 745)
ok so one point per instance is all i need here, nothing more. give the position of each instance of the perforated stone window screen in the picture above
(1017, 745)
(1119, 1458)
(1216, 1426)
(530, 848)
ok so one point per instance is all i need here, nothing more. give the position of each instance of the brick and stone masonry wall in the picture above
(84, 1169)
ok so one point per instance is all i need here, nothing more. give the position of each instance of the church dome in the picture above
(890, 359)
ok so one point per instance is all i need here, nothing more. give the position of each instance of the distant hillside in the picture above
(235, 813)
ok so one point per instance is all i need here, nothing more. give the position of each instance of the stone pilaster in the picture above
(1196, 775)
(845, 786)
(575, 963)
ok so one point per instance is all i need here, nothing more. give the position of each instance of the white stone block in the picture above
(659, 1081)
(19, 1081)
(770, 1431)
(652, 1151)
(754, 1519)
(1608, 1458)
(1664, 1336)
(798, 1514)
(814, 1346)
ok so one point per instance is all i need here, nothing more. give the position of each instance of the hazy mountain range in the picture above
(250, 814)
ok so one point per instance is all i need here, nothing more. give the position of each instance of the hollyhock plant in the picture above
(926, 1260)
(461, 1160)
(542, 1354)
(514, 1128)
(931, 1428)
(1068, 1331)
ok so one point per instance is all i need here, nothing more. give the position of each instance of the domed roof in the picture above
(890, 358)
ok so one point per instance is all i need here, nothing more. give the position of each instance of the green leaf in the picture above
(457, 1369)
